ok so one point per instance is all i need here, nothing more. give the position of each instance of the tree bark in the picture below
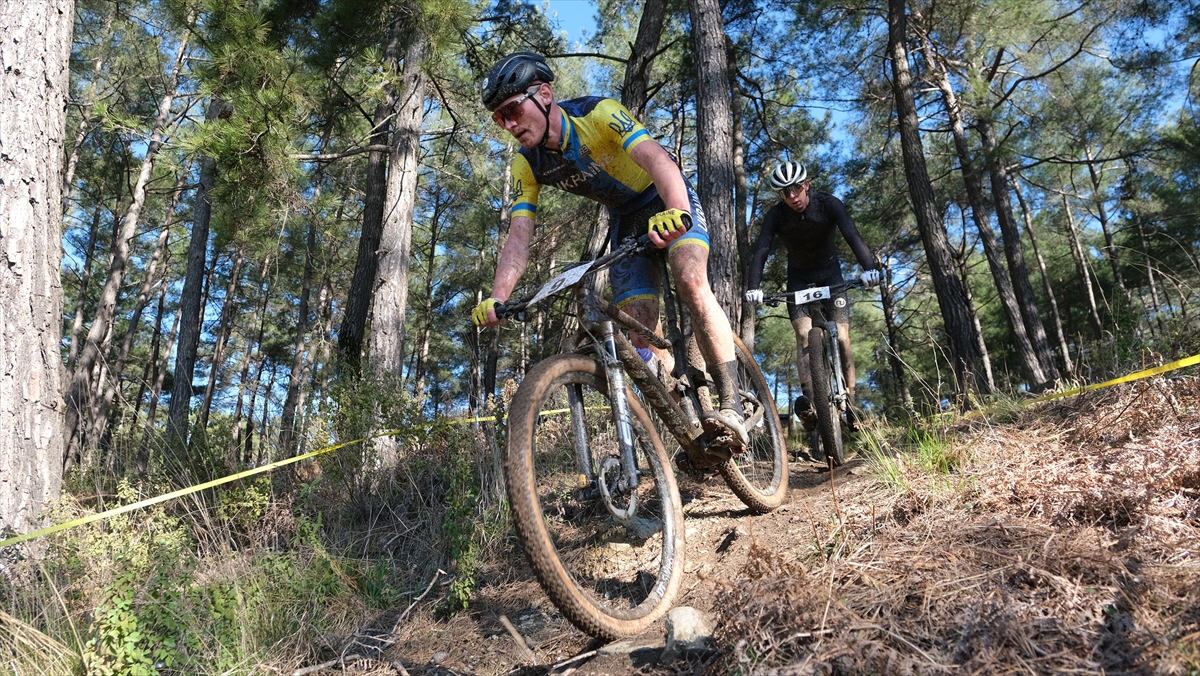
(1013, 250)
(34, 50)
(102, 322)
(352, 333)
(714, 153)
(85, 111)
(395, 247)
(85, 280)
(635, 90)
(160, 374)
(190, 309)
(740, 191)
(963, 339)
(298, 374)
(422, 355)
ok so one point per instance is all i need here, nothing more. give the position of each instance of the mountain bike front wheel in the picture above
(759, 476)
(824, 384)
(609, 576)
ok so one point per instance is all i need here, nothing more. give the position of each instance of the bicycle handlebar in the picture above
(630, 247)
(812, 294)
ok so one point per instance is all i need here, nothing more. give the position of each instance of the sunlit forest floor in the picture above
(1058, 538)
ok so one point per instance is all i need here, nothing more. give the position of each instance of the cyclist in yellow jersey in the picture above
(594, 147)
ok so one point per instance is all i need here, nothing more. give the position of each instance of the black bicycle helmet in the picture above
(512, 75)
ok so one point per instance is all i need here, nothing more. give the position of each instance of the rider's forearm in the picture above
(514, 257)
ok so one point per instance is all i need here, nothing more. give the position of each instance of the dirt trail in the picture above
(1061, 538)
(720, 531)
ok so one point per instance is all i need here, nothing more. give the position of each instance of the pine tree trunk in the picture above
(395, 247)
(85, 280)
(224, 328)
(963, 339)
(160, 375)
(1030, 364)
(964, 273)
(1081, 267)
(740, 227)
(887, 295)
(1068, 365)
(298, 374)
(36, 44)
(427, 311)
(1013, 250)
(100, 417)
(1110, 247)
(190, 307)
(714, 153)
(635, 91)
(85, 111)
(352, 333)
(106, 309)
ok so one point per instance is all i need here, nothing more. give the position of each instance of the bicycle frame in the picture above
(619, 358)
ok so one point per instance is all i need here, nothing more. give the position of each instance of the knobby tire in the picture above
(820, 368)
(610, 580)
(759, 476)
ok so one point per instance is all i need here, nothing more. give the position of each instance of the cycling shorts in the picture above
(637, 277)
(837, 308)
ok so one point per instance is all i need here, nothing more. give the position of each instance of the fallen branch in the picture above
(519, 640)
(396, 627)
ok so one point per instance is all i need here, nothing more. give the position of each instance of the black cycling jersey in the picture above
(809, 237)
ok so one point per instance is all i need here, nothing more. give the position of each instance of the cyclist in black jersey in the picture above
(807, 222)
(594, 147)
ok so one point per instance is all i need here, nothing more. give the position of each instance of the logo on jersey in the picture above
(584, 150)
(518, 190)
(622, 123)
(839, 303)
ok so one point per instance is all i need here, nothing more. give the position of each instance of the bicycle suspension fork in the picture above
(840, 395)
(620, 404)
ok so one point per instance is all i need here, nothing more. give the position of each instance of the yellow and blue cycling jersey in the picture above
(594, 162)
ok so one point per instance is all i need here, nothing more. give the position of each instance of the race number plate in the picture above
(561, 282)
(809, 295)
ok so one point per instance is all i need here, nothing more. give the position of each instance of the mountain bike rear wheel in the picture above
(759, 476)
(824, 384)
(609, 577)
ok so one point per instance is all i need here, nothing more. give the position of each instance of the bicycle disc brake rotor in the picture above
(610, 469)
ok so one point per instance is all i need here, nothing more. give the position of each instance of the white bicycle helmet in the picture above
(788, 173)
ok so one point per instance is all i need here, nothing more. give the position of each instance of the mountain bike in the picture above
(590, 481)
(831, 397)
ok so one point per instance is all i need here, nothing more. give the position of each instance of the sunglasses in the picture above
(792, 190)
(513, 111)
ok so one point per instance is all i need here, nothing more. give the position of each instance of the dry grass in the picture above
(1067, 541)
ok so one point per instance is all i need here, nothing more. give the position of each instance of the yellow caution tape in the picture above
(232, 477)
(1188, 361)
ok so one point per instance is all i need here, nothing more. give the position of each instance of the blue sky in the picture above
(574, 16)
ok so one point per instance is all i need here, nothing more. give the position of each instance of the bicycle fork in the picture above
(626, 465)
(835, 349)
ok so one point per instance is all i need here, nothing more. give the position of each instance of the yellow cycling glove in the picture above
(668, 221)
(480, 314)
